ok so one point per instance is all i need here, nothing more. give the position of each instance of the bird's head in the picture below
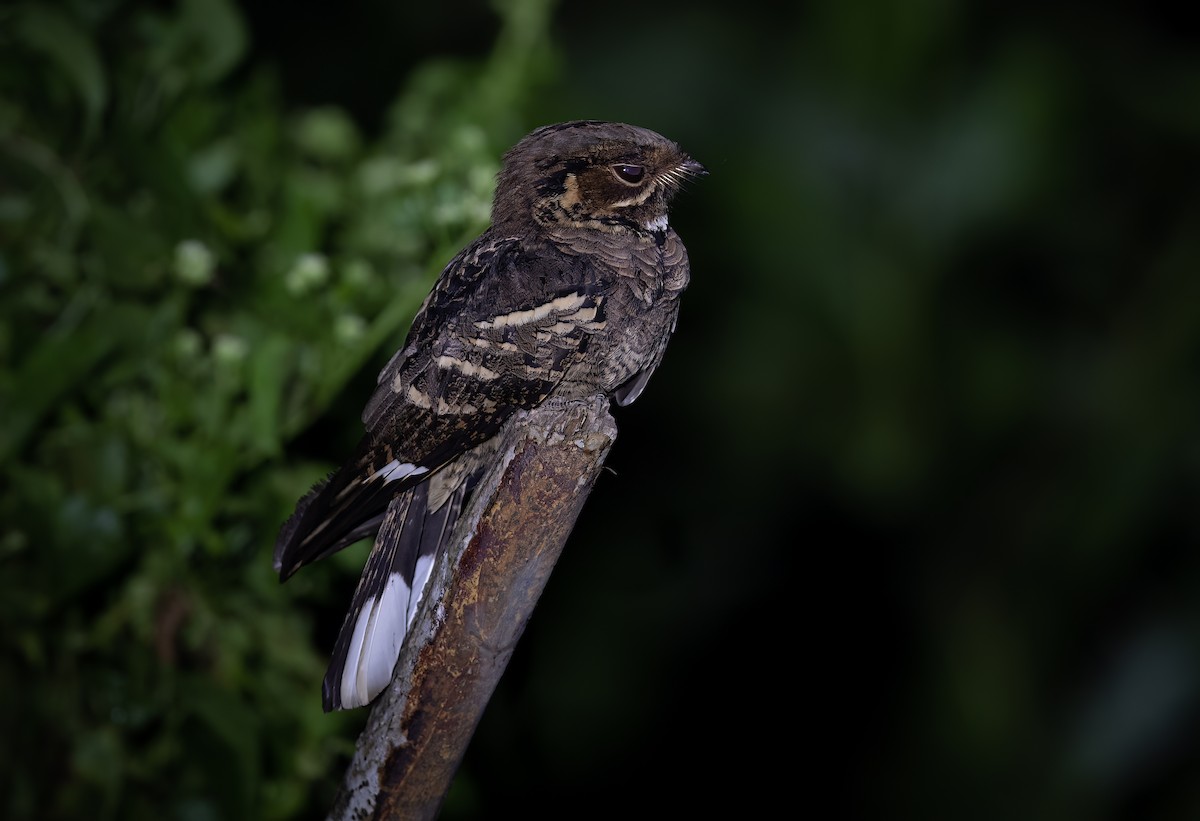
(592, 175)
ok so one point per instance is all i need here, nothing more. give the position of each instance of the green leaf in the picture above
(59, 363)
(228, 749)
(268, 373)
(327, 133)
(58, 37)
(218, 26)
(98, 759)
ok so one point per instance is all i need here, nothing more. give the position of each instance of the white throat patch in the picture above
(657, 224)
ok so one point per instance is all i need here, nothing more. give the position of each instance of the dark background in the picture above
(906, 523)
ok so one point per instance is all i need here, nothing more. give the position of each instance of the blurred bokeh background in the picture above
(905, 526)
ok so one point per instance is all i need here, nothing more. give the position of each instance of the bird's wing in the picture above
(500, 329)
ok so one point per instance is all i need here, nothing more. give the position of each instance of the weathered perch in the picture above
(480, 597)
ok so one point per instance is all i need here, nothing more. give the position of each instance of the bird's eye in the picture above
(631, 174)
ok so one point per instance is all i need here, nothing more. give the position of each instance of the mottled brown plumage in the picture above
(572, 292)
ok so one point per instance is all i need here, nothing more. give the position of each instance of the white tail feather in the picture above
(371, 657)
(420, 580)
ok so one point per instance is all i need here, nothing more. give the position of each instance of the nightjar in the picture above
(572, 292)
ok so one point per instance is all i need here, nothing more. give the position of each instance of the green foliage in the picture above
(189, 273)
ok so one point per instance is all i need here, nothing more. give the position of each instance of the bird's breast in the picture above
(646, 278)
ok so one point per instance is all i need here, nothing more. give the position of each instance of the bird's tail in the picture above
(411, 535)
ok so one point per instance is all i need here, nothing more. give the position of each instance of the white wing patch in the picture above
(570, 302)
(467, 368)
(396, 469)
